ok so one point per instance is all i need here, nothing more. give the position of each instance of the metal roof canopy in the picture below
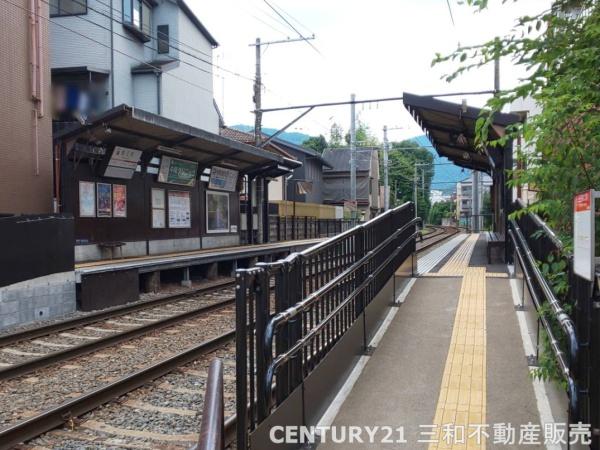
(131, 127)
(451, 130)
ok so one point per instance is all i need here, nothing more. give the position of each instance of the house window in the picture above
(67, 7)
(137, 14)
(217, 212)
(162, 36)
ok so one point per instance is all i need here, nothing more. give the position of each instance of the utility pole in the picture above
(262, 193)
(257, 97)
(415, 186)
(386, 170)
(353, 158)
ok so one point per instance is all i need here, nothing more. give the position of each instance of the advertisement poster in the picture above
(224, 179)
(87, 199)
(158, 218)
(119, 200)
(103, 200)
(177, 171)
(217, 212)
(180, 215)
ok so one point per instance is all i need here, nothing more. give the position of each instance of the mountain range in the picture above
(446, 174)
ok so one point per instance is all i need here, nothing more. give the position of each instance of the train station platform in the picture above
(449, 368)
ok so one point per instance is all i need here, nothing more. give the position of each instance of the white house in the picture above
(151, 54)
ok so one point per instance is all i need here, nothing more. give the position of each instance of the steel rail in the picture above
(32, 427)
(88, 347)
(68, 324)
(443, 237)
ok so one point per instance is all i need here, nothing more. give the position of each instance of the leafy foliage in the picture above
(441, 210)
(559, 48)
(403, 156)
(316, 143)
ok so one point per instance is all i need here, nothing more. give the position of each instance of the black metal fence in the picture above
(289, 228)
(573, 319)
(35, 245)
(292, 313)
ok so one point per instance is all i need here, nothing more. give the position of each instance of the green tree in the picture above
(317, 143)
(403, 157)
(336, 136)
(559, 47)
(441, 210)
(364, 136)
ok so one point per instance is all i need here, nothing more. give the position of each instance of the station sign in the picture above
(223, 179)
(177, 171)
(584, 212)
(123, 163)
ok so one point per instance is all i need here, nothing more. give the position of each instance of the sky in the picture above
(374, 49)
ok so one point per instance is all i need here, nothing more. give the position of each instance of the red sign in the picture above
(583, 202)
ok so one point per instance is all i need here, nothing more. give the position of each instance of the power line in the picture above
(450, 10)
(293, 27)
(295, 20)
(106, 46)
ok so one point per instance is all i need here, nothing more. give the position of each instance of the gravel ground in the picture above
(77, 336)
(189, 380)
(166, 289)
(23, 396)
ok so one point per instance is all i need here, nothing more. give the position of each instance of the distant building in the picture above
(464, 196)
(25, 125)
(154, 55)
(336, 189)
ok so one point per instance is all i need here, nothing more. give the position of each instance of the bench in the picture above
(112, 246)
(494, 240)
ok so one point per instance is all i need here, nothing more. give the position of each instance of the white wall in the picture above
(145, 93)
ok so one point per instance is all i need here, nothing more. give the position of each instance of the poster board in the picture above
(223, 179)
(583, 235)
(103, 200)
(217, 212)
(180, 215)
(158, 208)
(177, 171)
(87, 199)
(119, 200)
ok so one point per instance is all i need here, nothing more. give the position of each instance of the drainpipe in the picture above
(112, 58)
(35, 57)
(158, 93)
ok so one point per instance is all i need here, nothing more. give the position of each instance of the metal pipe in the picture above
(212, 428)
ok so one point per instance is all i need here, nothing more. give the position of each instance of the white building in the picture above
(464, 196)
(438, 196)
(151, 54)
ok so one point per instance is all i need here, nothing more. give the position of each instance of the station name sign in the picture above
(584, 257)
(177, 171)
(223, 179)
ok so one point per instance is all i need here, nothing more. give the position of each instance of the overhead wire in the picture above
(292, 27)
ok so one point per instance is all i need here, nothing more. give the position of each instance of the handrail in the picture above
(212, 428)
(341, 236)
(561, 316)
(284, 316)
(540, 222)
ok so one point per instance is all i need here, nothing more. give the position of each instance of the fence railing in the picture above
(291, 313)
(286, 228)
(212, 428)
(568, 324)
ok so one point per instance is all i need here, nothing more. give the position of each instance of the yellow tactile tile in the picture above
(459, 261)
(461, 404)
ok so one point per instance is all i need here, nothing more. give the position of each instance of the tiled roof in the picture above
(248, 138)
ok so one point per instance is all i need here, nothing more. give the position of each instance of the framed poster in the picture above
(119, 200)
(103, 200)
(158, 198)
(180, 215)
(87, 199)
(217, 212)
(224, 179)
(158, 208)
(584, 235)
(177, 171)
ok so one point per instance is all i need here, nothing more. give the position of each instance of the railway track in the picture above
(155, 405)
